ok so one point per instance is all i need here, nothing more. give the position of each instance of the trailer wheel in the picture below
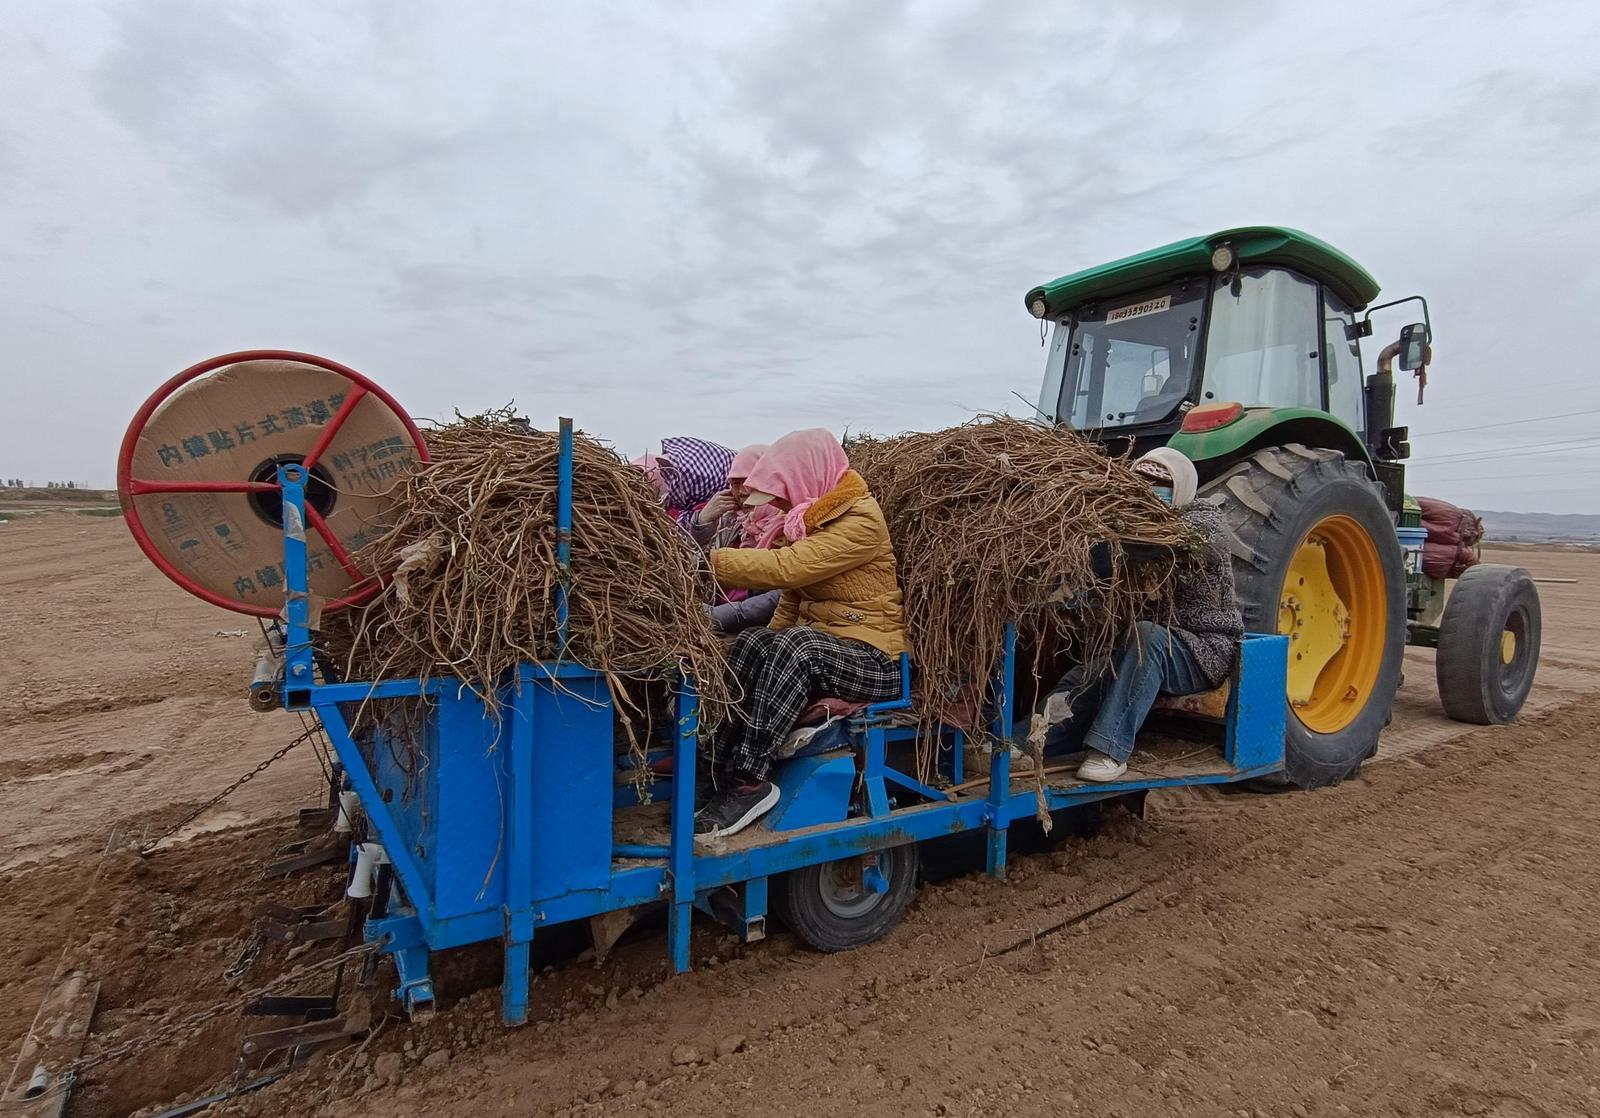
(1488, 644)
(1315, 557)
(832, 906)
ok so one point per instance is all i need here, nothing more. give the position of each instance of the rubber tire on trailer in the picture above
(1273, 500)
(1474, 685)
(799, 901)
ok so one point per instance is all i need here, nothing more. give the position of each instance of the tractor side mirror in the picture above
(1414, 350)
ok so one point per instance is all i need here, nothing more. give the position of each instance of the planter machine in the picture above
(518, 815)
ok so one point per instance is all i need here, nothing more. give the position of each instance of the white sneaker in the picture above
(1100, 768)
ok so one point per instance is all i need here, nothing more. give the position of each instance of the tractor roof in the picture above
(1255, 244)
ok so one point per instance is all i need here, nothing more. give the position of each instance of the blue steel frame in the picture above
(508, 828)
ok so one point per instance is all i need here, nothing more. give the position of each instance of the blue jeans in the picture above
(1118, 693)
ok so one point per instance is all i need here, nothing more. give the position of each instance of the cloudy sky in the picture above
(735, 219)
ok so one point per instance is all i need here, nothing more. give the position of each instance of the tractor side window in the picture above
(1344, 361)
(1261, 347)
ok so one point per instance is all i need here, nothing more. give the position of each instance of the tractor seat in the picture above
(1211, 704)
(825, 708)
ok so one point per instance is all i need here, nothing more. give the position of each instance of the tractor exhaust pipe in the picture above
(1380, 402)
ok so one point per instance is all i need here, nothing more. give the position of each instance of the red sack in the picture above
(1453, 535)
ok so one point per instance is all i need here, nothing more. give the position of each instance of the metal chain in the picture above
(149, 848)
(246, 960)
(175, 1029)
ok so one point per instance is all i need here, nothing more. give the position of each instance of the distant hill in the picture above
(1539, 526)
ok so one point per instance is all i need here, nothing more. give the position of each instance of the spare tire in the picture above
(1488, 644)
(1316, 559)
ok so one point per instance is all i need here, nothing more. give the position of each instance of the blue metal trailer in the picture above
(498, 819)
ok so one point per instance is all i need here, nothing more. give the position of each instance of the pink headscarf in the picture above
(758, 527)
(651, 465)
(753, 523)
(746, 460)
(801, 467)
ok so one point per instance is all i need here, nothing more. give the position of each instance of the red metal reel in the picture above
(129, 487)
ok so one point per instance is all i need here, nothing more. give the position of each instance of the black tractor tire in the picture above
(1476, 683)
(832, 916)
(1273, 500)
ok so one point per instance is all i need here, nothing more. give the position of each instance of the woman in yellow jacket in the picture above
(839, 629)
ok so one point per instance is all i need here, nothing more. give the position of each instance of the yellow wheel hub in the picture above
(1508, 646)
(1334, 609)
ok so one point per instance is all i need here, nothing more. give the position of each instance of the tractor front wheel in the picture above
(1317, 560)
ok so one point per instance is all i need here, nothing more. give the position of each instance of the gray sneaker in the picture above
(731, 810)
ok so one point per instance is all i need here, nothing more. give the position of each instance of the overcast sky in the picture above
(735, 219)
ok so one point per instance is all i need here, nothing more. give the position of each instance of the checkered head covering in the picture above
(696, 470)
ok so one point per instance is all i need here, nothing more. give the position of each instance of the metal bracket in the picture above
(312, 1007)
(316, 818)
(312, 924)
(304, 856)
(313, 1032)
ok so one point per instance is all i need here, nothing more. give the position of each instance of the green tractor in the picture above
(1243, 350)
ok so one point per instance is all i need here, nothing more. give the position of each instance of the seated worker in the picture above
(1109, 704)
(745, 527)
(723, 521)
(839, 629)
(689, 473)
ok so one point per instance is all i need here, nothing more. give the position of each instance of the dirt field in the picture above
(1424, 940)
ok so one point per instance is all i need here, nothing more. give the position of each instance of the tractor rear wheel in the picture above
(1317, 560)
(1488, 644)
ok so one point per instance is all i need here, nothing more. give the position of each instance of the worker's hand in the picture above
(720, 505)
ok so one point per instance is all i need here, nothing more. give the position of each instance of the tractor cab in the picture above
(1256, 325)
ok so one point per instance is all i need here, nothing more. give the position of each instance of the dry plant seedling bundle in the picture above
(473, 551)
(995, 521)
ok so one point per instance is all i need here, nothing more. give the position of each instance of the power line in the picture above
(1514, 422)
(1531, 449)
(1540, 492)
(1508, 477)
(1499, 393)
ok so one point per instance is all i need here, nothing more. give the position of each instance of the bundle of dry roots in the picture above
(473, 555)
(996, 521)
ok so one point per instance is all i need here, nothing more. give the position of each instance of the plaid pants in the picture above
(779, 674)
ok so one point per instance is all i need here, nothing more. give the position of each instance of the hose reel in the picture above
(197, 475)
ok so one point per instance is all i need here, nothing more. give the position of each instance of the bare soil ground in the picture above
(1422, 940)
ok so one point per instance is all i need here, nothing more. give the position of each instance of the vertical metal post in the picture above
(680, 855)
(1000, 760)
(872, 770)
(564, 530)
(525, 694)
(518, 910)
(298, 666)
(753, 911)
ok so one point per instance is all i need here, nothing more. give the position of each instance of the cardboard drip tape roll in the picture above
(198, 475)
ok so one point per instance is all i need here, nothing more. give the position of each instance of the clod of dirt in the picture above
(684, 1055)
(728, 1045)
(438, 1058)
(387, 1067)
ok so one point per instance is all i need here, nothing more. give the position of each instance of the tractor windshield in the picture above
(1125, 361)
